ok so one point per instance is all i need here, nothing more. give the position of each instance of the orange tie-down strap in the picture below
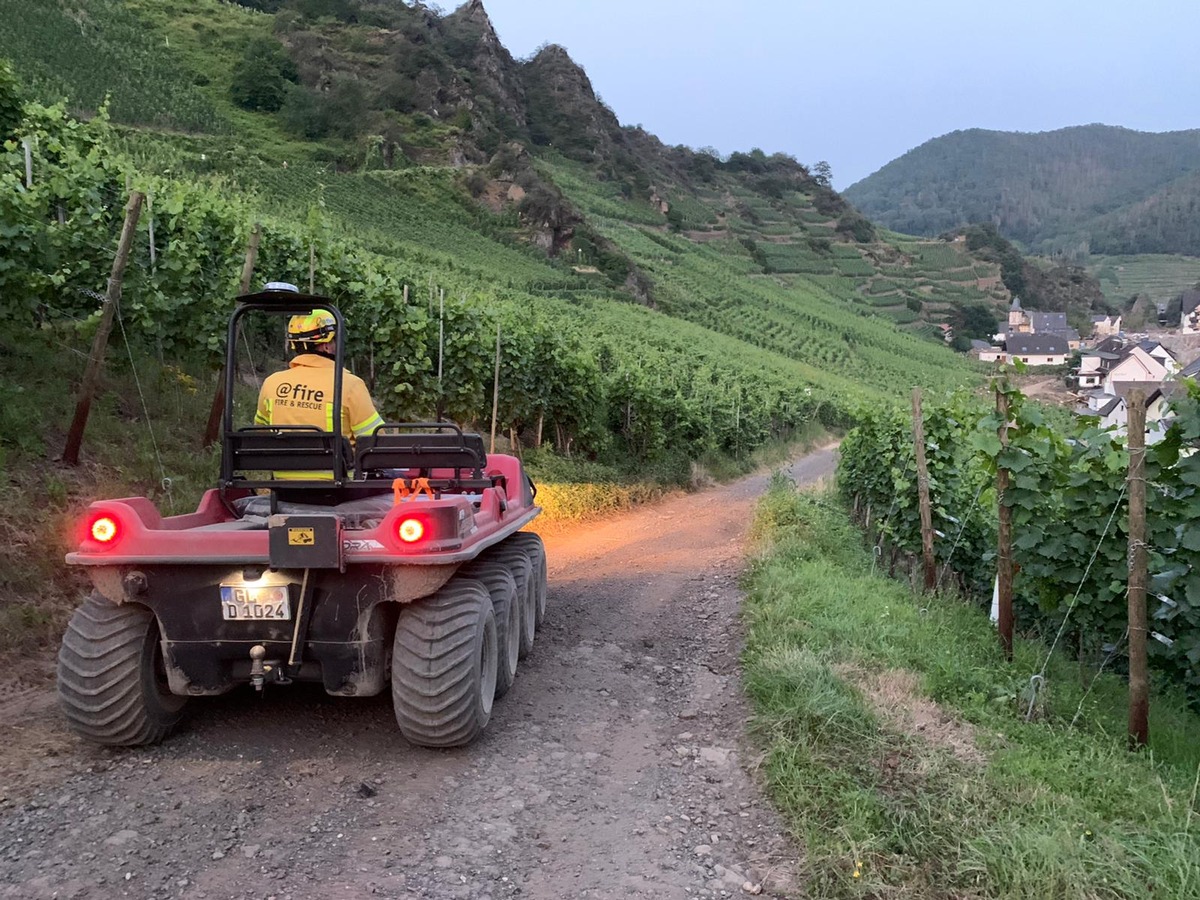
(410, 488)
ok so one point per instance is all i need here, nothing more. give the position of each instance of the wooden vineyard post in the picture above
(1004, 563)
(496, 391)
(218, 405)
(91, 375)
(923, 492)
(441, 396)
(1139, 683)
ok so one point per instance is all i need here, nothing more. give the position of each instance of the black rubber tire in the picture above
(444, 660)
(500, 583)
(517, 561)
(532, 544)
(112, 683)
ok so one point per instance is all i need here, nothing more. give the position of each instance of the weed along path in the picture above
(615, 767)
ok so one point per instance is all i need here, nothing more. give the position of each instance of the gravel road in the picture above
(617, 766)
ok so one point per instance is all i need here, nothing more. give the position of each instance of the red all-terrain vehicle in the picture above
(408, 569)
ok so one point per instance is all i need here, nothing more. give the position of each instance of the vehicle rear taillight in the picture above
(104, 529)
(410, 530)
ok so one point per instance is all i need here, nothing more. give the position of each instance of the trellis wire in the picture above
(1074, 600)
(961, 528)
(165, 481)
(883, 525)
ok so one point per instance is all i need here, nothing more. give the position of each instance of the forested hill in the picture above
(1092, 188)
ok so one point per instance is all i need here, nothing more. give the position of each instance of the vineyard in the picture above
(599, 376)
(1160, 277)
(814, 319)
(1069, 513)
(104, 49)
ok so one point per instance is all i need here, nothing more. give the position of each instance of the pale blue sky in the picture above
(858, 84)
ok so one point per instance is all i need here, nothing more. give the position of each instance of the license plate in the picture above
(269, 602)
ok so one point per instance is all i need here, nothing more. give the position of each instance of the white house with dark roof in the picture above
(1021, 322)
(1162, 354)
(1031, 349)
(1115, 361)
(1113, 412)
(1094, 366)
(1136, 367)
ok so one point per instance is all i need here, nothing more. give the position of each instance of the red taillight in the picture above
(104, 530)
(410, 530)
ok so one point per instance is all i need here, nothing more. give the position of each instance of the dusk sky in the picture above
(859, 83)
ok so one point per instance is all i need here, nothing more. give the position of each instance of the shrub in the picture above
(261, 76)
(856, 226)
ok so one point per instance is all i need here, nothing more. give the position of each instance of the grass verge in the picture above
(896, 743)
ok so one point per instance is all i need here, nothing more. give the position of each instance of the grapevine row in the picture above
(1067, 496)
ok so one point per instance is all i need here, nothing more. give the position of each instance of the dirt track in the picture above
(616, 766)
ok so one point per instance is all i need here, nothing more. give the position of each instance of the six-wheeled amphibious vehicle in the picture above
(395, 561)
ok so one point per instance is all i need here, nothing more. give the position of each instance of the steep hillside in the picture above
(1094, 188)
(408, 154)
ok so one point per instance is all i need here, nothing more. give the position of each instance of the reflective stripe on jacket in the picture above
(302, 394)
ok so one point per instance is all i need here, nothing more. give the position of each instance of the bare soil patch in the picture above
(895, 696)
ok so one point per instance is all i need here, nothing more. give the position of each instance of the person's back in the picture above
(302, 394)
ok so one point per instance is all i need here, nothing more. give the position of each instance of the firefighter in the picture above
(302, 394)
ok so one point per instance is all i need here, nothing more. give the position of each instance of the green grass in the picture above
(980, 803)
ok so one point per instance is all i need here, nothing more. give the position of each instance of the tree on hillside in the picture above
(262, 75)
(822, 173)
(340, 111)
(11, 105)
(973, 320)
(987, 243)
(857, 227)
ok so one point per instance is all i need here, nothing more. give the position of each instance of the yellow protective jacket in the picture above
(303, 395)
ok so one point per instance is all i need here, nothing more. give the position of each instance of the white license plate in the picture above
(269, 602)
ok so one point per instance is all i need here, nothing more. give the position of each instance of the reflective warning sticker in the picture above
(301, 537)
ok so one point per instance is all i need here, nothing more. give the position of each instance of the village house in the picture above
(1105, 326)
(1021, 323)
(1135, 369)
(1112, 370)
(1189, 312)
(1114, 414)
(1031, 349)
(1114, 360)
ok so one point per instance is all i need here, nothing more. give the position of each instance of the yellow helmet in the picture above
(308, 332)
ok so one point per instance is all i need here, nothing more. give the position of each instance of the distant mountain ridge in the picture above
(1085, 189)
